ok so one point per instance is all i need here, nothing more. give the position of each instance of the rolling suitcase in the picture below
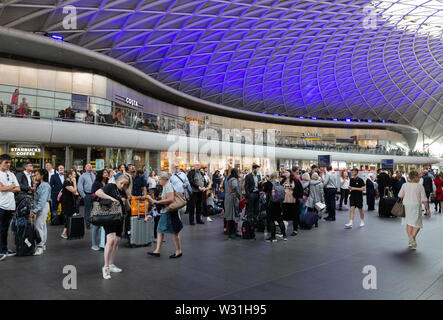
(76, 227)
(141, 232)
(385, 205)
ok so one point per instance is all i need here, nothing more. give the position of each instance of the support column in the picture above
(147, 153)
(156, 161)
(108, 157)
(128, 156)
(88, 154)
(68, 159)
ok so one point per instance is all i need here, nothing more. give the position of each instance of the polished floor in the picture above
(322, 263)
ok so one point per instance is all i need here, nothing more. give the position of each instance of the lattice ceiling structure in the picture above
(337, 58)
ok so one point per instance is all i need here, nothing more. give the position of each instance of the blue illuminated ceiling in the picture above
(336, 59)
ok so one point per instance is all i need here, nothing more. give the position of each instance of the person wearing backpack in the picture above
(275, 194)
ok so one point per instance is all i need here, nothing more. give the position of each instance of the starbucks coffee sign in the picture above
(30, 151)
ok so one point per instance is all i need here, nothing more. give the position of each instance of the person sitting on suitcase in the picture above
(356, 187)
(41, 208)
(211, 206)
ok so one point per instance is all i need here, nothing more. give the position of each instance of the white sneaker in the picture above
(39, 251)
(113, 268)
(95, 248)
(413, 245)
(64, 236)
(348, 225)
(209, 219)
(106, 273)
(362, 224)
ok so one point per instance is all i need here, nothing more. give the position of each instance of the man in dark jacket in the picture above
(197, 181)
(252, 187)
(383, 181)
(25, 179)
(56, 183)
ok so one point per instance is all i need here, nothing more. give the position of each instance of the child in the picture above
(152, 210)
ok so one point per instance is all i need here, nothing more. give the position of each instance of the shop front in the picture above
(23, 153)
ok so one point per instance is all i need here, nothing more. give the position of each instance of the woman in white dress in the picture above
(413, 195)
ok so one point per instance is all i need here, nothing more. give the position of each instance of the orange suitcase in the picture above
(139, 207)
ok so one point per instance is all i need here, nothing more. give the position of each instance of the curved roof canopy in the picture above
(335, 59)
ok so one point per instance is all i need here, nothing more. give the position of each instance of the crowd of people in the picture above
(278, 204)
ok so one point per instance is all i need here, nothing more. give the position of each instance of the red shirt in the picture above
(14, 99)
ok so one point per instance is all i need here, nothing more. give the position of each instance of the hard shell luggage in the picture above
(385, 206)
(139, 207)
(25, 236)
(76, 227)
(141, 228)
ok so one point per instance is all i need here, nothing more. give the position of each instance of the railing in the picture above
(135, 120)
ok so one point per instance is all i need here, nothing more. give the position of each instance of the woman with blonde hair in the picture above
(169, 221)
(413, 195)
(120, 192)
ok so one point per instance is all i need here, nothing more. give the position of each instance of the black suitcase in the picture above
(76, 227)
(385, 206)
(24, 234)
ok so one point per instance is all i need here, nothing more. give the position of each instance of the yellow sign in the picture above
(192, 119)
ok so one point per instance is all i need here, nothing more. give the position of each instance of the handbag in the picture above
(105, 216)
(178, 203)
(320, 206)
(398, 209)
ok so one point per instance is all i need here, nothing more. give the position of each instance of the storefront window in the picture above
(23, 153)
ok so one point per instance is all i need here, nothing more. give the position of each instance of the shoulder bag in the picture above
(103, 214)
(178, 203)
(398, 209)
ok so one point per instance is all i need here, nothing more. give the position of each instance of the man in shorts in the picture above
(356, 187)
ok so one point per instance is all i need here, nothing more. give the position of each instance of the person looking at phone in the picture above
(69, 191)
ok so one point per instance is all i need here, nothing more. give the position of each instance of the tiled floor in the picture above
(323, 263)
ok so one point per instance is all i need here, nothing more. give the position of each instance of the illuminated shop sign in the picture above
(130, 101)
(311, 134)
(192, 119)
(25, 151)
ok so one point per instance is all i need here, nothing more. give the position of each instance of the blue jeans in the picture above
(95, 230)
(88, 207)
(5, 220)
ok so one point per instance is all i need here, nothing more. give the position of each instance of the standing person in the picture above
(25, 179)
(196, 180)
(120, 192)
(84, 189)
(233, 192)
(331, 186)
(216, 181)
(122, 168)
(8, 186)
(207, 184)
(356, 186)
(48, 167)
(180, 182)
(344, 189)
(56, 184)
(428, 183)
(396, 183)
(371, 186)
(382, 181)
(290, 206)
(438, 182)
(316, 193)
(69, 192)
(252, 187)
(274, 209)
(413, 195)
(101, 180)
(169, 221)
(41, 208)
(305, 181)
(296, 172)
(152, 180)
(111, 176)
(14, 100)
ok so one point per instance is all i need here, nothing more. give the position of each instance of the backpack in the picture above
(23, 205)
(298, 189)
(278, 193)
(427, 184)
(247, 229)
